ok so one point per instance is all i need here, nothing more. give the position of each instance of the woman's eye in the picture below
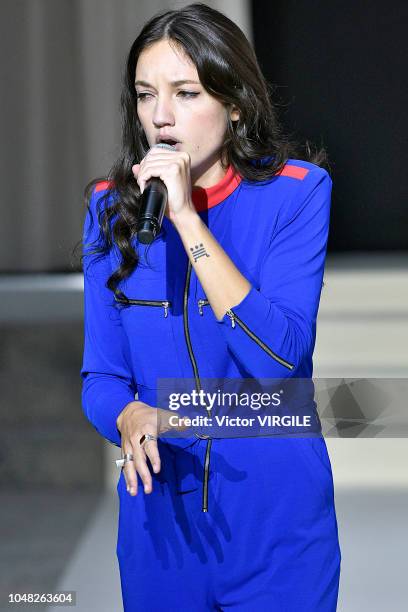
(184, 94)
(141, 96)
(189, 94)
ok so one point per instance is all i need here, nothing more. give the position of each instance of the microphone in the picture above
(154, 202)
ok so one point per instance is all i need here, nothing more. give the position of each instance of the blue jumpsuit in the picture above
(233, 523)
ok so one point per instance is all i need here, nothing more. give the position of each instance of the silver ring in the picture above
(145, 438)
(126, 457)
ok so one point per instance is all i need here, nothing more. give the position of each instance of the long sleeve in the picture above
(108, 385)
(273, 328)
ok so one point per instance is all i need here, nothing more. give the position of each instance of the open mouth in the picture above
(169, 141)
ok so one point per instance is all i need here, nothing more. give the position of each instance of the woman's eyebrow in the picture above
(174, 83)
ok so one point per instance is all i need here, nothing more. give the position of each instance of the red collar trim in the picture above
(205, 198)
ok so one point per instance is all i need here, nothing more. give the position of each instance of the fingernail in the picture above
(131, 490)
(127, 488)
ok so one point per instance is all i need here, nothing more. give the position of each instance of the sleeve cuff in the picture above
(103, 412)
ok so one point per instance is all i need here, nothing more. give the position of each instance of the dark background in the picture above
(341, 70)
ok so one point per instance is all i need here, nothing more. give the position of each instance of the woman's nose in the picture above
(163, 113)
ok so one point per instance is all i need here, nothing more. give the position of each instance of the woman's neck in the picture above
(208, 177)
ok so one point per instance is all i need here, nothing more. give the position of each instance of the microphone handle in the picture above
(154, 202)
(151, 215)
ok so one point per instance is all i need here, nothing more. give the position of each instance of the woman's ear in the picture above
(234, 114)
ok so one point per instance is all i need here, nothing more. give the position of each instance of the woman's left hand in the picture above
(173, 168)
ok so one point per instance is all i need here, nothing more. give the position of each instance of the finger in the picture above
(136, 169)
(130, 472)
(139, 172)
(149, 171)
(152, 451)
(156, 154)
(164, 424)
(136, 172)
(179, 424)
(141, 465)
(164, 155)
(163, 420)
(156, 168)
(155, 151)
(159, 160)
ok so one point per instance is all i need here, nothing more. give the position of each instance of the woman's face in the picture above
(183, 111)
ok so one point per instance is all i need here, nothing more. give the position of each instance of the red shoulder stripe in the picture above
(102, 185)
(294, 172)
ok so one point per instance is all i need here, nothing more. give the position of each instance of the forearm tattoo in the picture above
(198, 251)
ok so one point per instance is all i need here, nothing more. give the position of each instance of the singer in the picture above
(229, 289)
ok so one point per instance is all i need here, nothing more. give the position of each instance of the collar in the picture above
(205, 198)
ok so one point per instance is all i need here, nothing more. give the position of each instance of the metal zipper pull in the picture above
(251, 334)
(201, 303)
(232, 317)
(166, 307)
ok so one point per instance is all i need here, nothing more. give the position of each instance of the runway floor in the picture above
(67, 542)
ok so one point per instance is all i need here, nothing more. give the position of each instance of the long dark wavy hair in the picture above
(228, 69)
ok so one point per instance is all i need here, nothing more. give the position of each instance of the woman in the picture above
(229, 290)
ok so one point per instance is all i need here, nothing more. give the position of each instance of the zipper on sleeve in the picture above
(234, 317)
(163, 303)
(198, 387)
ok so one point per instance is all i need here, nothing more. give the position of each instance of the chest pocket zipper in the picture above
(250, 333)
(163, 303)
(202, 303)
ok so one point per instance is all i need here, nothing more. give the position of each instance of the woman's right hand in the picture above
(136, 419)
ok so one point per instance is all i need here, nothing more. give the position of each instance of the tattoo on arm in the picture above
(198, 251)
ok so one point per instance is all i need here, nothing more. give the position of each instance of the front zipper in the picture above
(198, 386)
(234, 317)
(163, 303)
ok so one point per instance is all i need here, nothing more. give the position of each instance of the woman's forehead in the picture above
(160, 56)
